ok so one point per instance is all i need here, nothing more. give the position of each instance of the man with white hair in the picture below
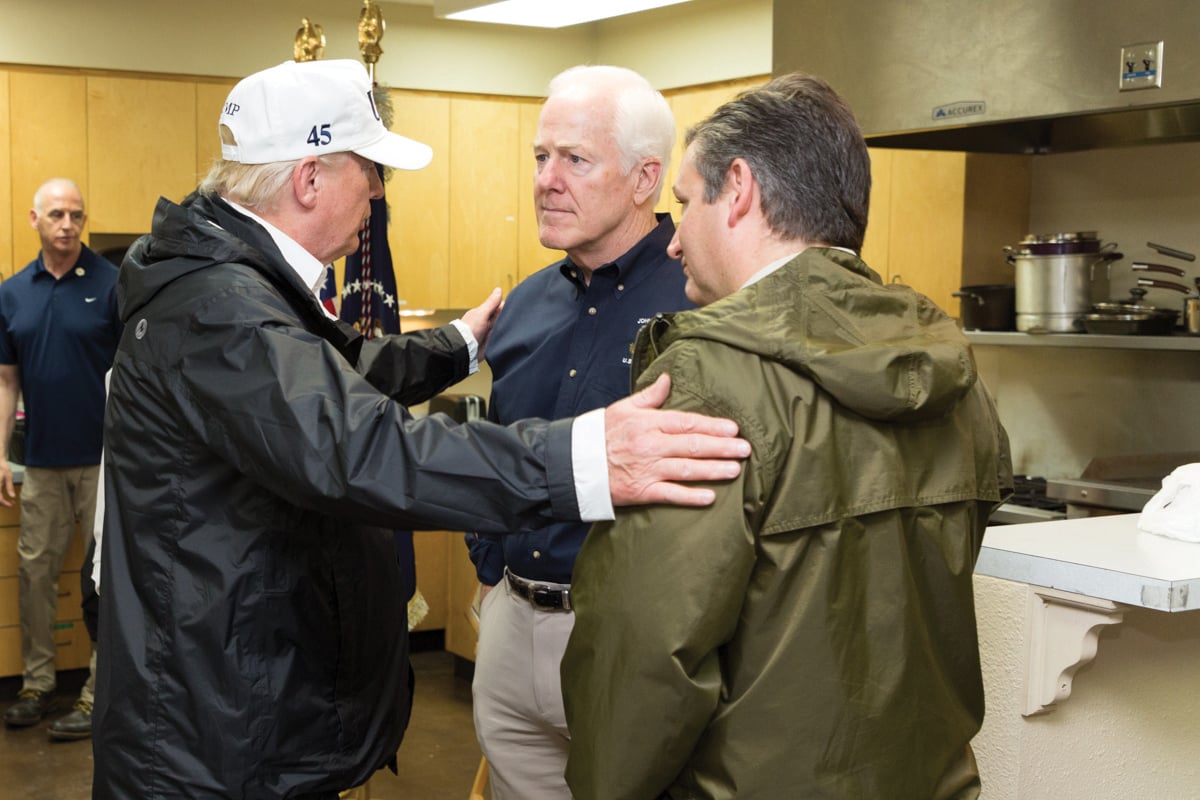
(562, 347)
(258, 453)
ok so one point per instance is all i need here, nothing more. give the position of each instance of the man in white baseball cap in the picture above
(253, 632)
(307, 108)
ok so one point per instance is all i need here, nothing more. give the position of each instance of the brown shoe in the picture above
(76, 725)
(29, 709)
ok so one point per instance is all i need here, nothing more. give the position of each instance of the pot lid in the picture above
(1124, 310)
(1060, 238)
(1134, 304)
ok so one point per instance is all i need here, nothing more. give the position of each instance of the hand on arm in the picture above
(650, 451)
(481, 318)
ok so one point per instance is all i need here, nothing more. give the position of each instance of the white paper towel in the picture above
(1174, 511)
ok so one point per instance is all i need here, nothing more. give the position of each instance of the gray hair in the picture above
(642, 123)
(255, 186)
(804, 148)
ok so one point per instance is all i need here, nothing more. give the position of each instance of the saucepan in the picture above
(1133, 315)
(989, 307)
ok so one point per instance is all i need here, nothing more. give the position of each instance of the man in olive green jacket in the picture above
(812, 634)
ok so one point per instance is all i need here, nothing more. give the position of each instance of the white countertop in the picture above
(1105, 557)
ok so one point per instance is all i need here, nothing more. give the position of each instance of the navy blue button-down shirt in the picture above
(561, 348)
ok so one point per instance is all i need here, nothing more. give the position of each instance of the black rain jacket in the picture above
(253, 640)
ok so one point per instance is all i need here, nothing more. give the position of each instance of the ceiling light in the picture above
(542, 13)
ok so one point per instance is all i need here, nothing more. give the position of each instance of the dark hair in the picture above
(805, 150)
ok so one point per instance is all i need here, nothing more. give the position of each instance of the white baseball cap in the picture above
(307, 108)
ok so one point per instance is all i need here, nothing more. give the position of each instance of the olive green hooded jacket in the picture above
(811, 634)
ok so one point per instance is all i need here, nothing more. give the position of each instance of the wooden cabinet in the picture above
(7, 255)
(141, 144)
(446, 578)
(484, 188)
(531, 256)
(465, 223)
(125, 141)
(419, 202)
(461, 586)
(210, 99)
(431, 552)
(939, 220)
(48, 139)
(70, 634)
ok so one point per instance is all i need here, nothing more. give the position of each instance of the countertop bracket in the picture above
(1062, 632)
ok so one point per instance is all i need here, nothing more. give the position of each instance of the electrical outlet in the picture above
(1141, 66)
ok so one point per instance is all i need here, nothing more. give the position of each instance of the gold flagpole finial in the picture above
(309, 44)
(370, 30)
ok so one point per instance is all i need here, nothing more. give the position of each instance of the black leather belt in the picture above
(539, 595)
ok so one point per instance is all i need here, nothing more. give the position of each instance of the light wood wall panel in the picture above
(419, 231)
(141, 146)
(484, 188)
(926, 234)
(531, 256)
(7, 257)
(210, 98)
(431, 553)
(878, 238)
(48, 140)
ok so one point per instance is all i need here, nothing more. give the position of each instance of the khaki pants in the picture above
(53, 502)
(519, 716)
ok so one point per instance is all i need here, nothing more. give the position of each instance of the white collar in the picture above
(307, 266)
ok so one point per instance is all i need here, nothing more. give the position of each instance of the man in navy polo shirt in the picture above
(561, 347)
(58, 334)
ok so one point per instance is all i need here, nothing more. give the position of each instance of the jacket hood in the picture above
(885, 352)
(185, 238)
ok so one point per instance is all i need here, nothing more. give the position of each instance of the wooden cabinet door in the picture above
(431, 550)
(462, 622)
(48, 137)
(7, 255)
(210, 99)
(879, 218)
(531, 256)
(484, 187)
(925, 223)
(141, 143)
(419, 226)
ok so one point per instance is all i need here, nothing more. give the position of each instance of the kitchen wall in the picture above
(1062, 406)
(1127, 729)
(697, 42)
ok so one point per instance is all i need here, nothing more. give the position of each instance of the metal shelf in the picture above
(1090, 340)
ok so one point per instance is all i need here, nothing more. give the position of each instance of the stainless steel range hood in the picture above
(1002, 76)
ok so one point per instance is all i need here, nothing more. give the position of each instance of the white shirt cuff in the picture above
(472, 345)
(589, 459)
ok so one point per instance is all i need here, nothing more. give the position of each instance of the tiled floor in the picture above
(436, 762)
